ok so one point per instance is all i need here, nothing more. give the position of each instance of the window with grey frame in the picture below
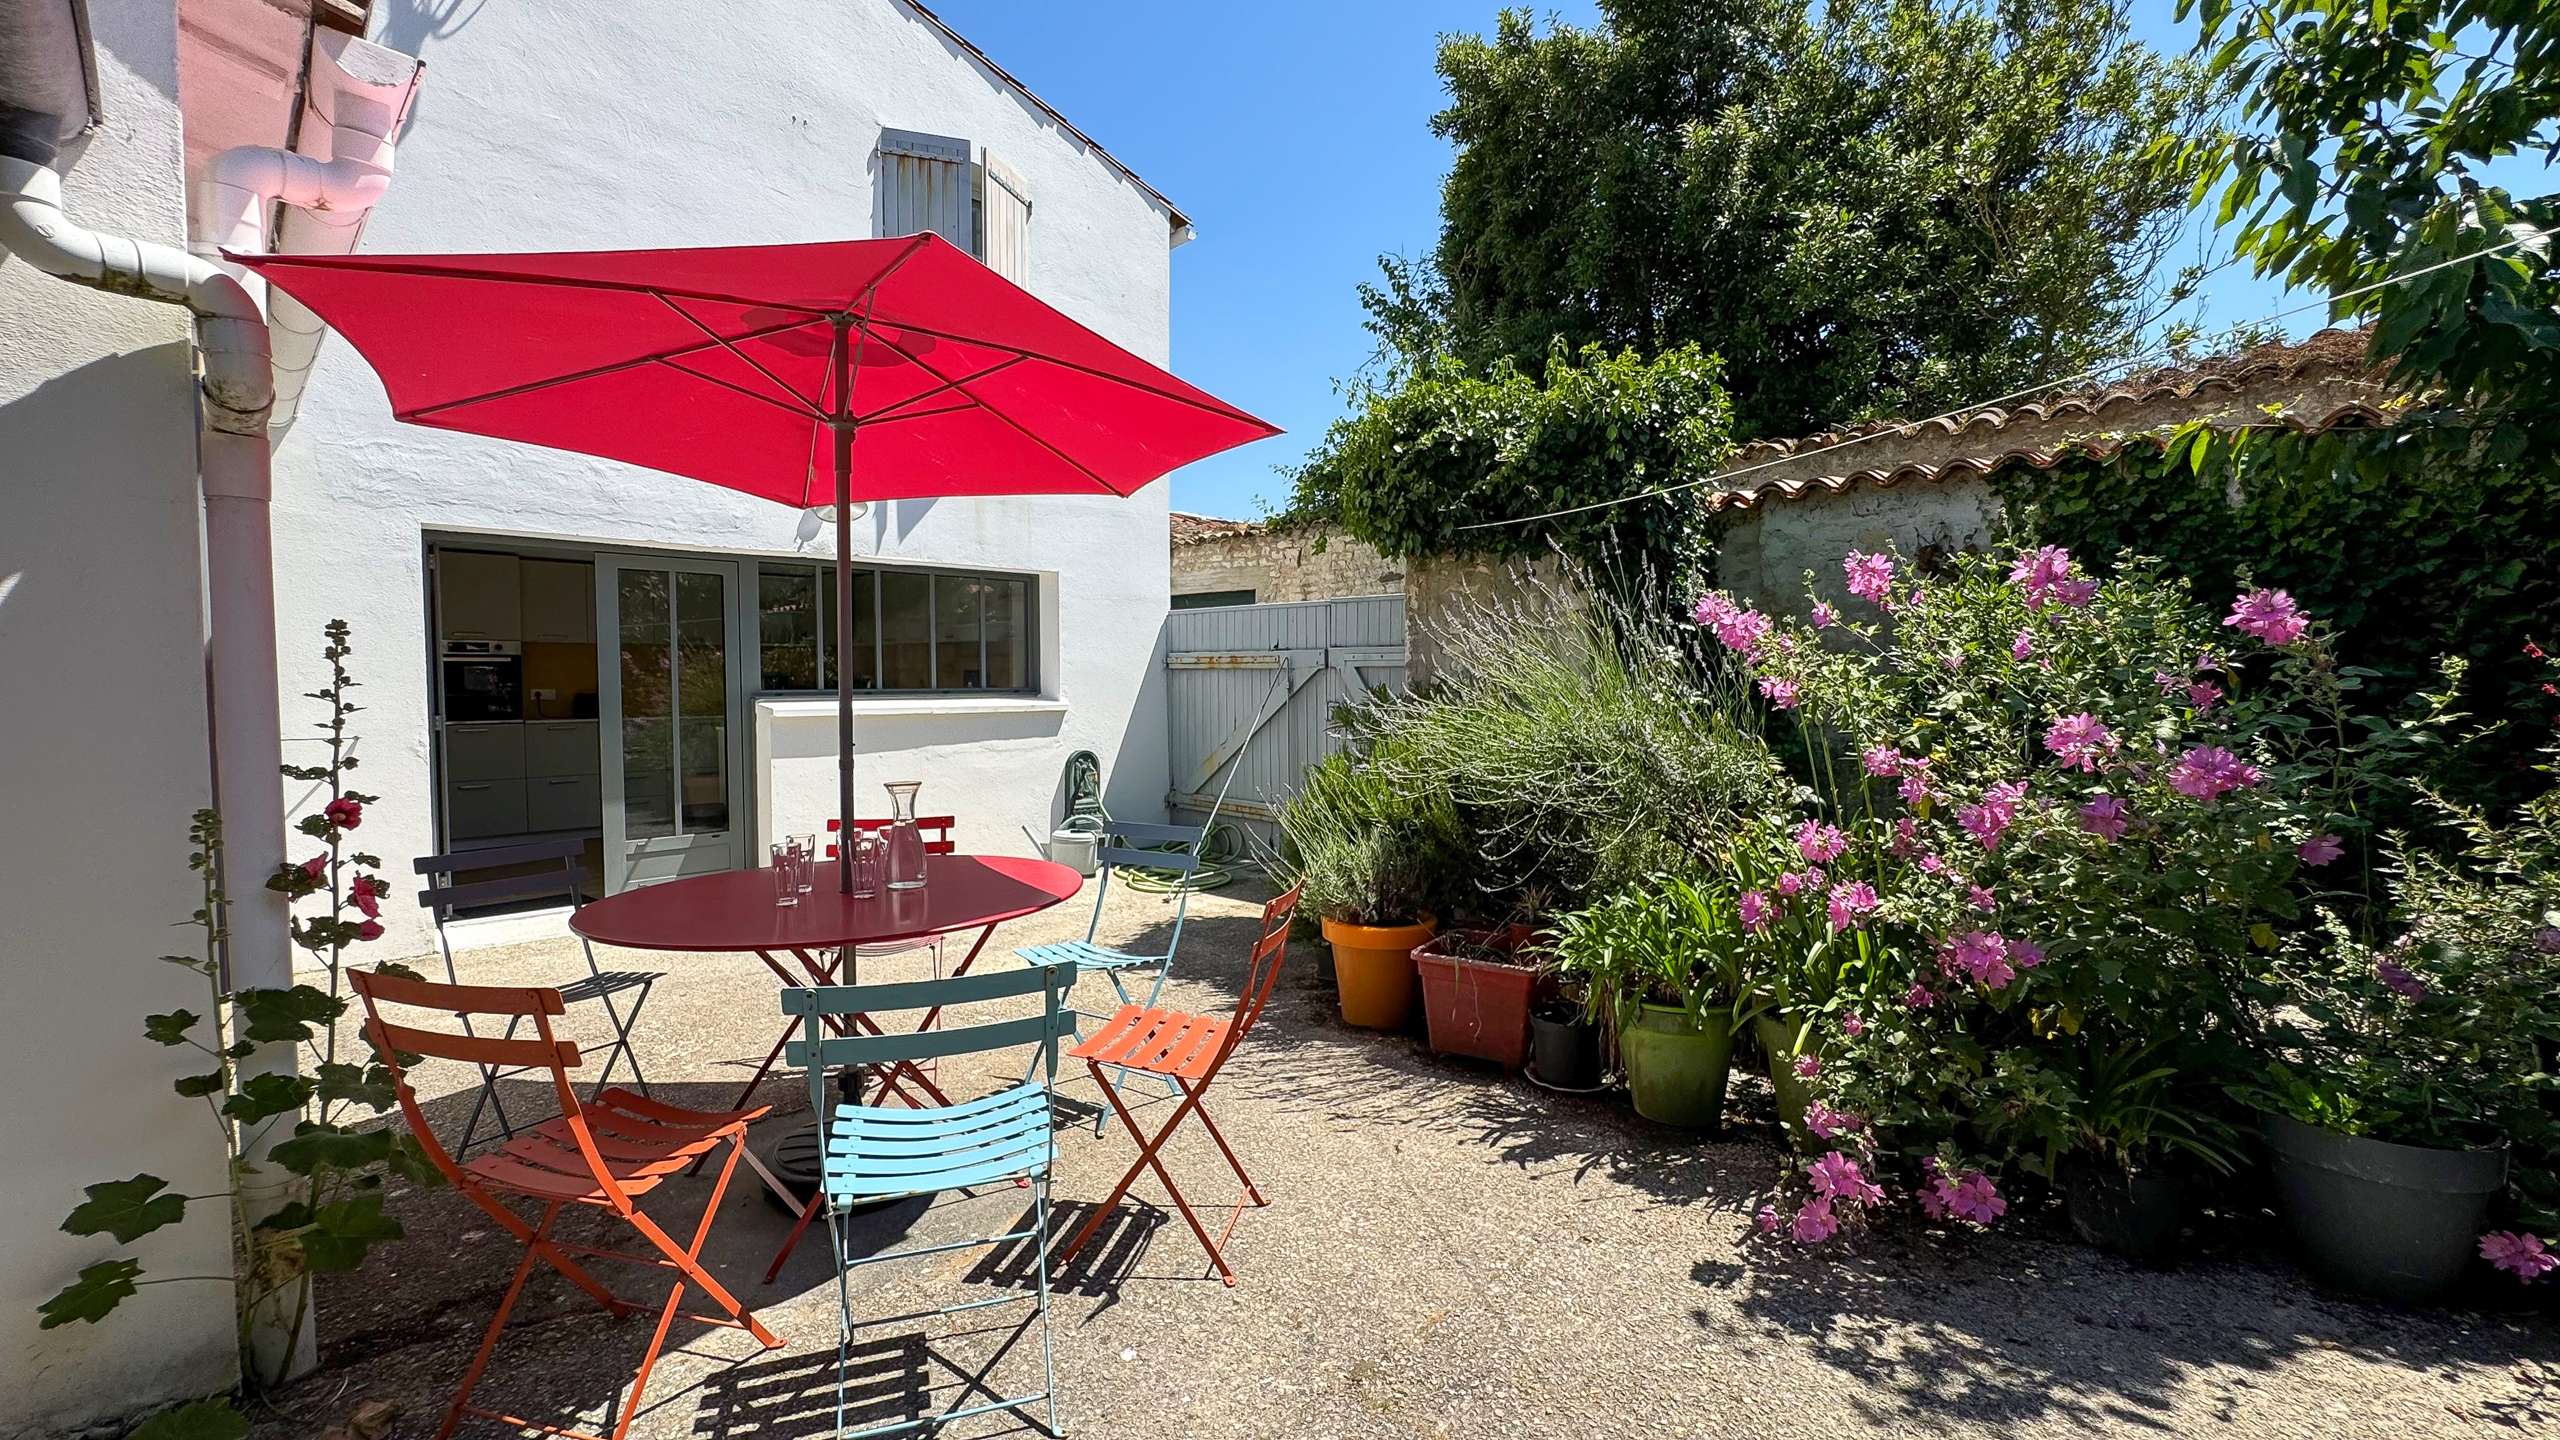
(914, 631)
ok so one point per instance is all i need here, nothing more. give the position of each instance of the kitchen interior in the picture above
(516, 704)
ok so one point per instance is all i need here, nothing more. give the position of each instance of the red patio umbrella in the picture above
(751, 366)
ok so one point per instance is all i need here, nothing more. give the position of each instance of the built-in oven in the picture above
(483, 681)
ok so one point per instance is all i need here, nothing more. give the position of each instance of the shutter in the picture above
(1004, 221)
(924, 184)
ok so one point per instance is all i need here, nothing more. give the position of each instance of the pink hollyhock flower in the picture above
(2209, 771)
(1852, 1026)
(1808, 1066)
(368, 902)
(374, 885)
(1919, 996)
(2079, 740)
(1818, 842)
(344, 813)
(1791, 884)
(1814, 1223)
(1767, 1220)
(369, 930)
(1976, 1199)
(2104, 817)
(1836, 1177)
(1755, 910)
(1906, 838)
(2023, 646)
(2520, 1255)
(2393, 974)
(1870, 577)
(1981, 955)
(1824, 617)
(316, 866)
(2319, 850)
(1827, 1123)
(1981, 898)
(1714, 609)
(2270, 615)
(2024, 955)
(1851, 904)
(1781, 693)
(2202, 694)
(1881, 760)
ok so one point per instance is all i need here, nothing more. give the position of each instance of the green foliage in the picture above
(98, 1291)
(196, 1420)
(127, 1209)
(1584, 741)
(2367, 127)
(2428, 538)
(1369, 851)
(1667, 940)
(1866, 207)
(1415, 463)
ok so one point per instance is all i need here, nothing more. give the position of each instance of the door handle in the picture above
(474, 785)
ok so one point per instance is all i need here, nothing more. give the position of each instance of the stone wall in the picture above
(1285, 565)
(1764, 555)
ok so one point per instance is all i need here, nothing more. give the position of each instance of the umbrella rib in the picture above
(633, 363)
(807, 407)
(796, 412)
(946, 385)
(1212, 405)
(962, 386)
(965, 404)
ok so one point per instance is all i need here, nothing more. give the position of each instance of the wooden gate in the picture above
(1273, 673)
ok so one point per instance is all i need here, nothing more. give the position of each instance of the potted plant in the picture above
(1662, 958)
(1565, 1034)
(2122, 1127)
(1476, 992)
(1372, 856)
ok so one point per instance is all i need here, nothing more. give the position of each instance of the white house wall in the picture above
(102, 761)
(584, 124)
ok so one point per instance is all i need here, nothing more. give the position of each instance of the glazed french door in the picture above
(671, 709)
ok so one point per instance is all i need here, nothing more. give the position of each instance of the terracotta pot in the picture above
(1477, 1007)
(1373, 967)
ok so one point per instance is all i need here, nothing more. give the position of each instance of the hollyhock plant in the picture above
(346, 812)
(1870, 577)
(2270, 615)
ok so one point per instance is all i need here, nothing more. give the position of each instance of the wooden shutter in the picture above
(1004, 221)
(925, 184)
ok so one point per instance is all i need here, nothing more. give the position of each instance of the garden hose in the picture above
(1221, 850)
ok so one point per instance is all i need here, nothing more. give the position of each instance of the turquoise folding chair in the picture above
(879, 1152)
(1165, 847)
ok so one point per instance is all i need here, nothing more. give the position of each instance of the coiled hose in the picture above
(1222, 851)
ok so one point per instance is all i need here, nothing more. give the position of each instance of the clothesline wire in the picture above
(2077, 377)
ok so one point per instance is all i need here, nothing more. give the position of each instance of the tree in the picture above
(2367, 126)
(1865, 207)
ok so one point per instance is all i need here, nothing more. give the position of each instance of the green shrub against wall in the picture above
(2432, 537)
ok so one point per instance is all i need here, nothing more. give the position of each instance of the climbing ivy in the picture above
(2435, 536)
(1412, 466)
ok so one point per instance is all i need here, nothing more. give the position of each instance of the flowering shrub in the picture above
(2067, 823)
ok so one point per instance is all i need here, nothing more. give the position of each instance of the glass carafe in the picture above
(905, 842)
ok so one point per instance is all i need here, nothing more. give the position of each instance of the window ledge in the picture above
(824, 707)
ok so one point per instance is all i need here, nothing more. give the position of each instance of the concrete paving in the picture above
(1447, 1252)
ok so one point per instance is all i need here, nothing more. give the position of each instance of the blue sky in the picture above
(1297, 138)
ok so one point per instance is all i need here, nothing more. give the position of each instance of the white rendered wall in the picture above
(102, 760)
(591, 124)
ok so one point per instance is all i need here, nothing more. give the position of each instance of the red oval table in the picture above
(733, 911)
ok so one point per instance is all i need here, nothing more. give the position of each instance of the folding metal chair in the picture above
(1188, 1051)
(448, 891)
(880, 1152)
(1119, 843)
(604, 1154)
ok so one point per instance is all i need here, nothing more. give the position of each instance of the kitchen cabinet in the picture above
(559, 601)
(560, 747)
(480, 596)
(484, 809)
(564, 802)
(492, 750)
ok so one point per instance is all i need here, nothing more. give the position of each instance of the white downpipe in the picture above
(358, 96)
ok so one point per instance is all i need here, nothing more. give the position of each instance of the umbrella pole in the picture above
(843, 426)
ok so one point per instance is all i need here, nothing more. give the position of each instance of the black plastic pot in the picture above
(2397, 1221)
(2138, 1216)
(1564, 1051)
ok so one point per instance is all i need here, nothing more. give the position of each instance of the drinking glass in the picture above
(808, 872)
(786, 873)
(863, 851)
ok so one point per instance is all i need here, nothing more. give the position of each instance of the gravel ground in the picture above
(1448, 1252)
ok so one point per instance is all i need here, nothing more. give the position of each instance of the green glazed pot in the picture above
(1775, 1034)
(1676, 1071)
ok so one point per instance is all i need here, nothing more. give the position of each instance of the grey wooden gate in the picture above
(1274, 673)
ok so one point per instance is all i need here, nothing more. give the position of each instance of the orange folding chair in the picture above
(605, 1153)
(1187, 1051)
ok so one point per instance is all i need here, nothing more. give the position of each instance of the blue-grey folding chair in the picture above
(883, 1152)
(1165, 847)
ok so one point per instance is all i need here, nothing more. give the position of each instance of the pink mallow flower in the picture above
(2104, 817)
(2208, 771)
(344, 813)
(1881, 760)
(2024, 955)
(1791, 884)
(1852, 1026)
(2040, 570)
(1919, 996)
(2023, 646)
(1814, 1223)
(2079, 741)
(1819, 843)
(1713, 609)
(1851, 904)
(1781, 693)
(1976, 1199)
(1827, 1123)
(2319, 850)
(1980, 955)
(2397, 976)
(1767, 1220)
(1808, 1066)
(1906, 839)
(1989, 819)
(1756, 911)
(2519, 1254)
(1824, 617)
(2270, 615)
(2202, 694)
(1870, 577)
(1915, 782)
(1981, 898)
(1836, 1177)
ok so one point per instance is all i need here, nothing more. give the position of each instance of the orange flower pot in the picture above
(1373, 967)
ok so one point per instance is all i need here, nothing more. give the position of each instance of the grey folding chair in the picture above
(450, 890)
(1166, 847)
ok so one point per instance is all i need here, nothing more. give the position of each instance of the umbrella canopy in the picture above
(763, 368)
